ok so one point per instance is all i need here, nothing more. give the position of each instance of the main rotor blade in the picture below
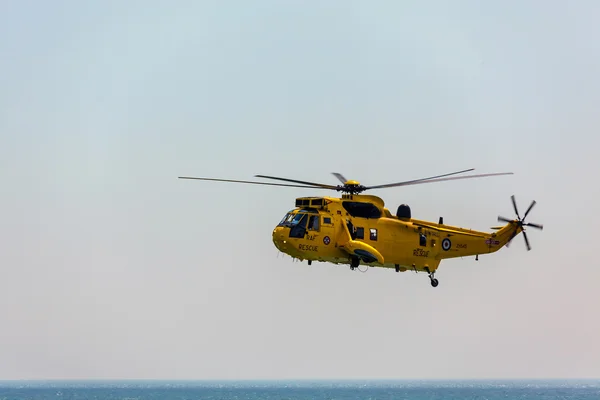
(515, 205)
(418, 180)
(340, 177)
(438, 180)
(252, 182)
(296, 181)
(529, 209)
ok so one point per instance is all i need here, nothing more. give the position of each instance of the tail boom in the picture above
(464, 245)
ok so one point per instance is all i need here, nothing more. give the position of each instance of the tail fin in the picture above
(506, 233)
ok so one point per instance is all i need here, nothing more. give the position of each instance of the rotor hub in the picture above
(351, 187)
(520, 222)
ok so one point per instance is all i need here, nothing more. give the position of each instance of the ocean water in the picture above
(300, 390)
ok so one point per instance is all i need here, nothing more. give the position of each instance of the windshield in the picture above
(287, 219)
(292, 219)
(297, 218)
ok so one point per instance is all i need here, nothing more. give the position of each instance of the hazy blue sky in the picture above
(114, 268)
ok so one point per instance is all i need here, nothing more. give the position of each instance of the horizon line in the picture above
(429, 379)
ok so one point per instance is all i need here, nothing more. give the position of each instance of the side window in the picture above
(327, 220)
(313, 223)
(373, 234)
(422, 240)
(360, 232)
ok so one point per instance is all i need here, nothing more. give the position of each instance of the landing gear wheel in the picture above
(354, 262)
(434, 282)
(397, 268)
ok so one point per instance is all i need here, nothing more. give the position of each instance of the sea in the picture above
(301, 390)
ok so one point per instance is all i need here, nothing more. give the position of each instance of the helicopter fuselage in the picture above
(358, 229)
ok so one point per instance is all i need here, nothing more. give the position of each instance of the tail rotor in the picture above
(521, 222)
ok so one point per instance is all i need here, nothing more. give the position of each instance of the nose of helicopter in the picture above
(279, 238)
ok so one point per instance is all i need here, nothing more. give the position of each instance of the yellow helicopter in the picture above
(358, 229)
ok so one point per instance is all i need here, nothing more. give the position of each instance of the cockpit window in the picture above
(306, 220)
(297, 218)
(287, 219)
(298, 225)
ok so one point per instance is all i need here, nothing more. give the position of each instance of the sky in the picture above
(112, 268)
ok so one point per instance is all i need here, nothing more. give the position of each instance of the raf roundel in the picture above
(326, 240)
(446, 244)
